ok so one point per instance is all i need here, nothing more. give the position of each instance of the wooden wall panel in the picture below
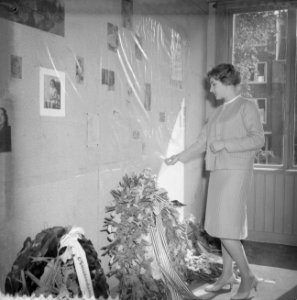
(272, 208)
(279, 199)
(269, 202)
(288, 204)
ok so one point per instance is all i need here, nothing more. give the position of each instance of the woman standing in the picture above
(231, 138)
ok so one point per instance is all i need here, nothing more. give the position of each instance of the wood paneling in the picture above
(272, 207)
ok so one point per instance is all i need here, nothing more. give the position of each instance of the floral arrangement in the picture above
(59, 262)
(150, 253)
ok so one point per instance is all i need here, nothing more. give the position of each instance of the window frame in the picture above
(227, 8)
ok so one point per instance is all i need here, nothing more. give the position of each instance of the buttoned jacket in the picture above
(239, 127)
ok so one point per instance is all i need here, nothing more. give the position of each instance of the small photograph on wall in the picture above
(5, 131)
(147, 97)
(108, 78)
(79, 70)
(138, 47)
(162, 116)
(52, 93)
(16, 66)
(46, 15)
(112, 37)
(127, 12)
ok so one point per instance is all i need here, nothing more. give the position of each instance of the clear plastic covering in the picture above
(91, 92)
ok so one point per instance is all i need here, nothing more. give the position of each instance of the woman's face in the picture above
(217, 88)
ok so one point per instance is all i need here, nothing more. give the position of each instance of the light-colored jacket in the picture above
(239, 127)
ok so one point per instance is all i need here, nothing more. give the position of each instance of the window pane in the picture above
(259, 50)
(295, 119)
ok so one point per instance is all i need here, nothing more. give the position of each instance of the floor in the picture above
(275, 264)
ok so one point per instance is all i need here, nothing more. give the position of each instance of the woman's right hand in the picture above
(172, 159)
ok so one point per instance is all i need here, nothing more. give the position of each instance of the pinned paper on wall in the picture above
(147, 97)
(176, 60)
(108, 78)
(93, 126)
(79, 70)
(138, 47)
(52, 92)
(16, 66)
(127, 12)
(112, 37)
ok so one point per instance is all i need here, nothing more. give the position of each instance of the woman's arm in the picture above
(196, 148)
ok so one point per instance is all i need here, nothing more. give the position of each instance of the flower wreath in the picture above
(61, 262)
(149, 250)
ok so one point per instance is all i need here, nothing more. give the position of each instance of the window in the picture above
(264, 78)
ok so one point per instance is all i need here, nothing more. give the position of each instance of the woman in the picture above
(5, 132)
(231, 138)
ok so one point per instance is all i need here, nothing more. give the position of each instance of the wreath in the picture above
(150, 253)
(60, 261)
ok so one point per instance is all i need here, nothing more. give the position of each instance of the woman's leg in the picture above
(227, 276)
(248, 279)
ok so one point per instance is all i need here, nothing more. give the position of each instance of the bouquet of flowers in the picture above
(61, 262)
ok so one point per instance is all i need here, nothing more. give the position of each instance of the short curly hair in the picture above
(226, 73)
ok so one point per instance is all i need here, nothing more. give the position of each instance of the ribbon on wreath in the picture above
(178, 289)
(75, 251)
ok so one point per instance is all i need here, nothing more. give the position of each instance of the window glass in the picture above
(295, 117)
(259, 51)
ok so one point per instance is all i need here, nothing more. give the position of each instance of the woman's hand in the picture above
(172, 160)
(217, 146)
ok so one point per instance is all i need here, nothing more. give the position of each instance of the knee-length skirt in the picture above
(226, 207)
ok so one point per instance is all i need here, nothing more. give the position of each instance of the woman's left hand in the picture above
(217, 146)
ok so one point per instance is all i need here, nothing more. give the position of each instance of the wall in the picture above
(56, 174)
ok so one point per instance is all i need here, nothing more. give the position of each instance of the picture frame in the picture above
(52, 92)
(262, 107)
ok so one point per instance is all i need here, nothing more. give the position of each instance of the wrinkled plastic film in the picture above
(86, 105)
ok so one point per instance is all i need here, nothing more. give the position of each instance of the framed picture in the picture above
(262, 107)
(52, 93)
(46, 15)
(258, 74)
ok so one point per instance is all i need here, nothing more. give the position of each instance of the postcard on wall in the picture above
(52, 92)
(147, 97)
(176, 60)
(108, 78)
(46, 15)
(5, 130)
(79, 70)
(127, 13)
(16, 66)
(93, 126)
(112, 37)
(138, 47)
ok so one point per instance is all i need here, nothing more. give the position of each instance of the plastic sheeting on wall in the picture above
(89, 96)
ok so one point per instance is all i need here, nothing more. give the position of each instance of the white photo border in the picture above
(44, 75)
